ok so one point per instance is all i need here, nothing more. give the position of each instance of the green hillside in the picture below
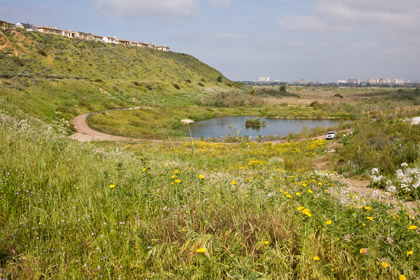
(45, 75)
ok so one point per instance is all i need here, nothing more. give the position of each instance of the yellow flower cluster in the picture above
(305, 211)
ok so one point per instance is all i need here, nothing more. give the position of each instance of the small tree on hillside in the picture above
(219, 79)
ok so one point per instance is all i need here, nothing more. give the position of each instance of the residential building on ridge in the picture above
(5, 24)
(163, 48)
(49, 30)
(81, 35)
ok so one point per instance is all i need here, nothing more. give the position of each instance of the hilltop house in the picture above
(82, 35)
(163, 48)
(97, 38)
(5, 24)
(125, 42)
(27, 26)
(49, 30)
(140, 44)
(111, 40)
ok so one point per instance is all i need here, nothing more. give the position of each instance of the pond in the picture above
(235, 126)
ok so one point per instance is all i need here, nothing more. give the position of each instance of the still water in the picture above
(235, 126)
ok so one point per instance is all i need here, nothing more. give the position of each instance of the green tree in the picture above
(219, 79)
(283, 89)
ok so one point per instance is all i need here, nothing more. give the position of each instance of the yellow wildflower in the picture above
(304, 185)
(144, 169)
(363, 224)
(402, 277)
(329, 222)
(173, 176)
(298, 194)
(176, 171)
(201, 176)
(384, 264)
(410, 253)
(111, 186)
(316, 258)
(368, 208)
(307, 212)
(233, 182)
(363, 250)
(266, 242)
(177, 181)
(201, 250)
(288, 196)
(412, 227)
(300, 208)
(310, 191)
(369, 218)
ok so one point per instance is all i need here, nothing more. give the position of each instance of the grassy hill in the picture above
(45, 75)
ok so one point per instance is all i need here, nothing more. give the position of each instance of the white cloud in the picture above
(345, 15)
(147, 8)
(374, 11)
(308, 23)
(153, 8)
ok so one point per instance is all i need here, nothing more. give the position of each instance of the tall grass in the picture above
(72, 210)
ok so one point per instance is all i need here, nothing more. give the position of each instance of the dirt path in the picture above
(85, 133)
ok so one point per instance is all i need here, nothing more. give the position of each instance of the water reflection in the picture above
(235, 126)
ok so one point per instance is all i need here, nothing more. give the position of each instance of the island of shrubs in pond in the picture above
(255, 123)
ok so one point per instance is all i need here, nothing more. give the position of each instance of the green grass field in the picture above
(194, 210)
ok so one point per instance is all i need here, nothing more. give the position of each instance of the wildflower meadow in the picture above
(189, 211)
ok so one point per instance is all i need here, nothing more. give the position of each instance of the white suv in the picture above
(330, 135)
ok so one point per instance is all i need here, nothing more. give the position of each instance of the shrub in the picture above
(42, 52)
(176, 86)
(219, 79)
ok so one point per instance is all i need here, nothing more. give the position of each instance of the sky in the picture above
(286, 40)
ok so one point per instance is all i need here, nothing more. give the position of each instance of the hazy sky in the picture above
(319, 40)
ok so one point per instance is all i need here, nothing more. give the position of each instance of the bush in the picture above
(176, 86)
(42, 52)
(219, 79)
(384, 144)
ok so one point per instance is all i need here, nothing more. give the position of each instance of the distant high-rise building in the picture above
(264, 79)
(341, 82)
(302, 82)
(354, 82)
(398, 82)
(372, 81)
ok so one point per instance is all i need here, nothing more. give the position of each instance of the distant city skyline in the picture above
(372, 81)
(320, 40)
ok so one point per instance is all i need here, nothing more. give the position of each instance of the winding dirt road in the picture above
(86, 134)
